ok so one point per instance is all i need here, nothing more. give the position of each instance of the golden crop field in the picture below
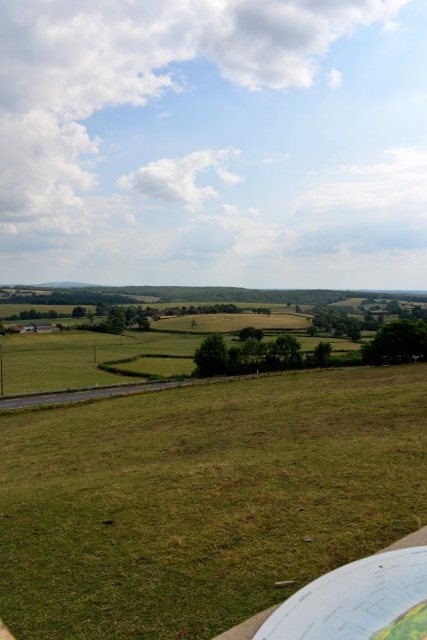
(12, 309)
(224, 322)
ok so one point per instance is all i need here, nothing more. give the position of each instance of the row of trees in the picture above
(32, 314)
(213, 357)
(398, 342)
(117, 320)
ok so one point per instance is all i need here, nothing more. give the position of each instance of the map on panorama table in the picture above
(383, 597)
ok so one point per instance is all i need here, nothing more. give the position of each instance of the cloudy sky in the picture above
(280, 143)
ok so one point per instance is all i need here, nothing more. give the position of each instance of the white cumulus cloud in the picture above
(63, 60)
(174, 180)
(334, 78)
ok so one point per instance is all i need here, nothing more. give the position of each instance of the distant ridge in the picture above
(69, 284)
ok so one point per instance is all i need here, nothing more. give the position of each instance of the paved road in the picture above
(78, 396)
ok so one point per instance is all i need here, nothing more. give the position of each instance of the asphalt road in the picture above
(78, 396)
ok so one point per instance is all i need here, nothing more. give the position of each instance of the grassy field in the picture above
(40, 362)
(12, 309)
(338, 344)
(224, 322)
(164, 366)
(172, 515)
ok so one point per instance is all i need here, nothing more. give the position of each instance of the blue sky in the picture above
(215, 143)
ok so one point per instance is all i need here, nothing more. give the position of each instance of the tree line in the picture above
(213, 357)
(397, 342)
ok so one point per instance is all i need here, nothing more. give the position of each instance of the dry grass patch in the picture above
(224, 322)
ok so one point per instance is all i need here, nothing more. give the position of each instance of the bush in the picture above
(397, 342)
(250, 332)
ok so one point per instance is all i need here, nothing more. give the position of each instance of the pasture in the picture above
(224, 322)
(40, 362)
(160, 366)
(172, 515)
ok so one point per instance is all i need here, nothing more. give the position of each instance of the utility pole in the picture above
(94, 350)
(1, 367)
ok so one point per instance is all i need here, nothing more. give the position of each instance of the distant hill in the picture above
(69, 284)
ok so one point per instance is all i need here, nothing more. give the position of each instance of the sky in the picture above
(274, 144)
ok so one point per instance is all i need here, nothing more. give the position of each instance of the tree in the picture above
(234, 360)
(284, 353)
(130, 314)
(211, 357)
(288, 304)
(397, 342)
(322, 353)
(353, 332)
(143, 324)
(193, 324)
(312, 330)
(101, 309)
(79, 312)
(250, 332)
(117, 323)
(253, 353)
(340, 329)
(298, 309)
(52, 313)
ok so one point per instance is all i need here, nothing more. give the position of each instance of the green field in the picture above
(173, 514)
(164, 366)
(338, 344)
(40, 362)
(224, 322)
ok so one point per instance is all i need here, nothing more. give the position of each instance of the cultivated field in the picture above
(172, 515)
(224, 322)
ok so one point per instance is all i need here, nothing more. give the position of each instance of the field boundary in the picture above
(109, 366)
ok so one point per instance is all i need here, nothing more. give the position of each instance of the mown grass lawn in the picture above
(171, 515)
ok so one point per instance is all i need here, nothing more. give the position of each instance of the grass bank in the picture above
(172, 515)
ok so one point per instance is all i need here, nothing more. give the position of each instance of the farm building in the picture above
(22, 328)
(38, 327)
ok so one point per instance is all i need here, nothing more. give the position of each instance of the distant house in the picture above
(23, 328)
(39, 327)
(150, 319)
(44, 327)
